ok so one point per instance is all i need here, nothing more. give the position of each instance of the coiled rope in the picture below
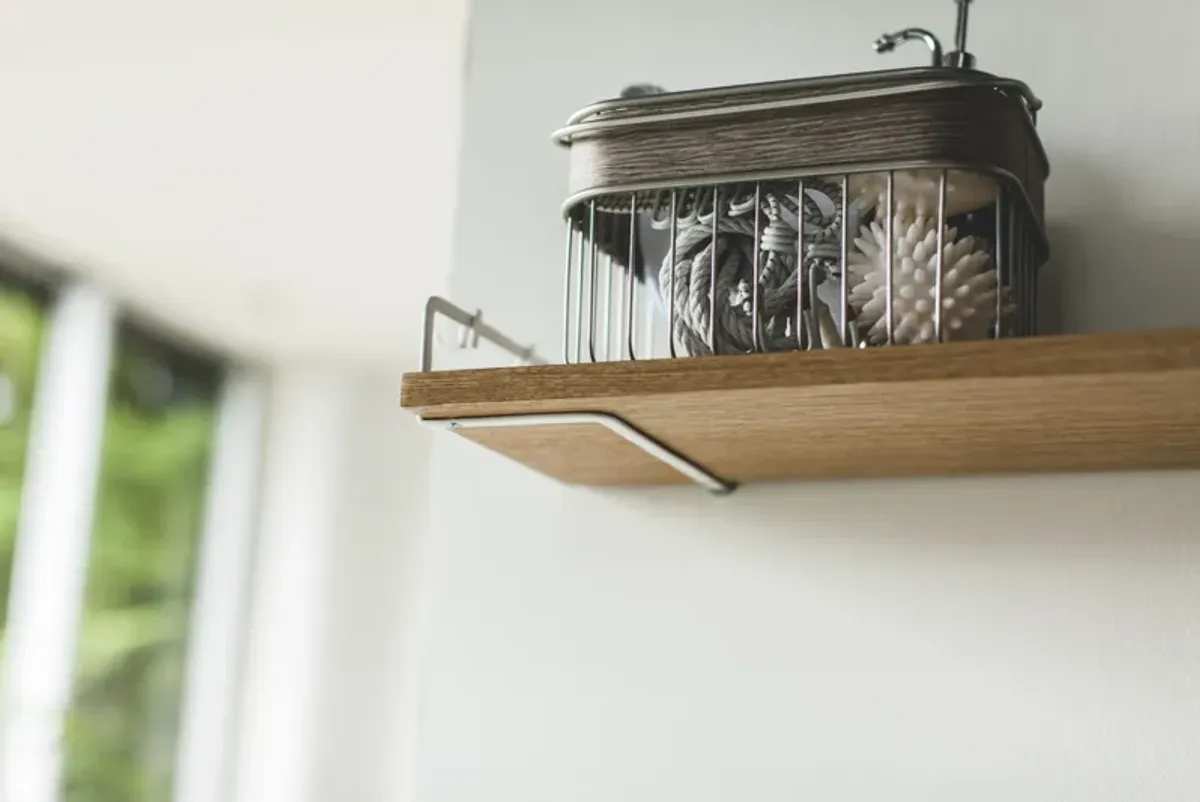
(732, 329)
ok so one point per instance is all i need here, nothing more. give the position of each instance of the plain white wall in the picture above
(327, 692)
(273, 176)
(1029, 638)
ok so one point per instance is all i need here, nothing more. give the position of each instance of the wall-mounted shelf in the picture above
(1088, 403)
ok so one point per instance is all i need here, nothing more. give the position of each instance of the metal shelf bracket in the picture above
(474, 329)
(614, 424)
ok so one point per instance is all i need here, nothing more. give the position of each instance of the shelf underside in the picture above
(1046, 405)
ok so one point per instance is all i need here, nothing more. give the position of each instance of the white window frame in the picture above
(204, 762)
(58, 500)
(54, 535)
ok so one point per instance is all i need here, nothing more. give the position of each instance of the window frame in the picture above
(55, 530)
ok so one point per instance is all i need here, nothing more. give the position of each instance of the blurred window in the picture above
(122, 729)
(22, 314)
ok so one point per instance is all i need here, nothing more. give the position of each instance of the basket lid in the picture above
(701, 104)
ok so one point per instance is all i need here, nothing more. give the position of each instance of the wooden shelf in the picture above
(1045, 405)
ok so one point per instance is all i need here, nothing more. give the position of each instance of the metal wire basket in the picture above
(881, 208)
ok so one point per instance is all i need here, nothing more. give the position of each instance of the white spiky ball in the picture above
(968, 282)
(965, 191)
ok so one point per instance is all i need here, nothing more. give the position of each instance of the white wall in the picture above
(272, 176)
(1028, 638)
(327, 689)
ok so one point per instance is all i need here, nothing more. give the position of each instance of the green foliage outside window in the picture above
(122, 728)
(123, 725)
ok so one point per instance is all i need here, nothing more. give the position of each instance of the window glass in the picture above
(124, 720)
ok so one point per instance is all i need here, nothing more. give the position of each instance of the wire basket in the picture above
(883, 208)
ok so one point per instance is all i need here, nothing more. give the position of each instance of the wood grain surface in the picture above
(1062, 404)
(577, 454)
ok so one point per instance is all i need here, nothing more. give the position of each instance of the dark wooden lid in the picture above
(738, 98)
(894, 119)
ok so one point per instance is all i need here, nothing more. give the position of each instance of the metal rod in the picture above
(712, 283)
(801, 329)
(619, 313)
(1031, 278)
(814, 335)
(440, 306)
(592, 275)
(614, 424)
(1012, 268)
(1027, 271)
(635, 295)
(756, 337)
(648, 324)
(960, 28)
(1016, 261)
(579, 292)
(566, 295)
(843, 289)
(671, 260)
(1001, 256)
(1022, 266)
(606, 319)
(1035, 284)
(1017, 244)
(888, 251)
(941, 259)
(631, 298)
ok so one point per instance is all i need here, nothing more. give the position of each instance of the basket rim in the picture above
(913, 79)
(1001, 175)
(671, 107)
